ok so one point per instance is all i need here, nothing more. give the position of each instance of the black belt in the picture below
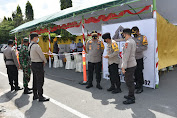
(9, 60)
(37, 62)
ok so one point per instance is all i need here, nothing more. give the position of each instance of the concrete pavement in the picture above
(71, 100)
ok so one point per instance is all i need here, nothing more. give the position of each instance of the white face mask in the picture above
(38, 40)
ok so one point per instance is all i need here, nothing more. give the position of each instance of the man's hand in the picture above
(106, 56)
(123, 71)
(44, 63)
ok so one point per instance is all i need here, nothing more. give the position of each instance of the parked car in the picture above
(3, 47)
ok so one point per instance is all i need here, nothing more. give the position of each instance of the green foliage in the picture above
(45, 36)
(65, 4)
(5, 27)
(17, 17)
(29, 12)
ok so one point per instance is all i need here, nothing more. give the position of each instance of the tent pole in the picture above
(154, 8)
(84, 56)
(49, 51)
(156, 47)
(16, 41)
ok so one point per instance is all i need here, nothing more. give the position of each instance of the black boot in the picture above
(111, 88)
(116, 91)
(130, 100)
(30, 89)
(99, 86)
(18, 88)
(27, 91)
(43, 99)
(12, 88)
(128, 97)
(89, 86)
(139, 90)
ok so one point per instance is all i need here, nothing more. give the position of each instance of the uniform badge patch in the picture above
(126, 45)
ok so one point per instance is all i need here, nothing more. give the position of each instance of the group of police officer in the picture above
(32, 58)
(132, 64)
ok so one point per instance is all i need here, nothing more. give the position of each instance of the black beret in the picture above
(106, 36)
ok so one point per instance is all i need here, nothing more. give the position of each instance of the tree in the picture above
(17, 17)
(65, 4)
(29, 12)
(5, 19)
(9, 19)
(5, 28)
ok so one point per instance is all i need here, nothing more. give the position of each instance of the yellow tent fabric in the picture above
(167, 42)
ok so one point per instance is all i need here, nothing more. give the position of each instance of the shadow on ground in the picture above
(162, 100)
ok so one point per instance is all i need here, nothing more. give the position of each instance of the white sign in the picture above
(147, 28)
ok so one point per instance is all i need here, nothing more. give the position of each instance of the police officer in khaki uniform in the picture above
(128, 65)
(12, 66)
(38, 62)
(141, 46)
(113, 61)
(94, 48)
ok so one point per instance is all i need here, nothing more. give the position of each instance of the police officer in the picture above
(94, 48)
(12, 66)
(141, 46)
(129, 65)
(38, 62)
(113, 61)
(25, 65)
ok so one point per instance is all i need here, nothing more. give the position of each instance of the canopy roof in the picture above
(71, 13)
(101, 7)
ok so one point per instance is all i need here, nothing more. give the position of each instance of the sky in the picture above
(41, 7)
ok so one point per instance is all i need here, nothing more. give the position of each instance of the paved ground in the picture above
(71, 100)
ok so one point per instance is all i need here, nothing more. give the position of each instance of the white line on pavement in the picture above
(59, 104)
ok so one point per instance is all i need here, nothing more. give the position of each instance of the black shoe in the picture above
(35, 97)
(12, 88)
(43, 99)
(111, 88)
(136, 87)
(129, 101)
(128, 97)
(89, 86)
(116, 91)
(30, 89)
(98, 86)
(18, 88)
(139, 91)
(27, 91)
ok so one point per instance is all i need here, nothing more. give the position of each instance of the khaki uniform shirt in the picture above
(128, 58)
(10, 53)
(94, 50)
(36, 53)
(112, 52)
(141, 45)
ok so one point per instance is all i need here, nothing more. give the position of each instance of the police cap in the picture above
(25, 40)
(94, 32)
(10, 42)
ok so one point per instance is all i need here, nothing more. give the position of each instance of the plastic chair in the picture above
(70, 64)
(79, 63)
(55, 62)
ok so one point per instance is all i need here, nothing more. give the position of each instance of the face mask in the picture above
(94, 37)
(38, 40)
